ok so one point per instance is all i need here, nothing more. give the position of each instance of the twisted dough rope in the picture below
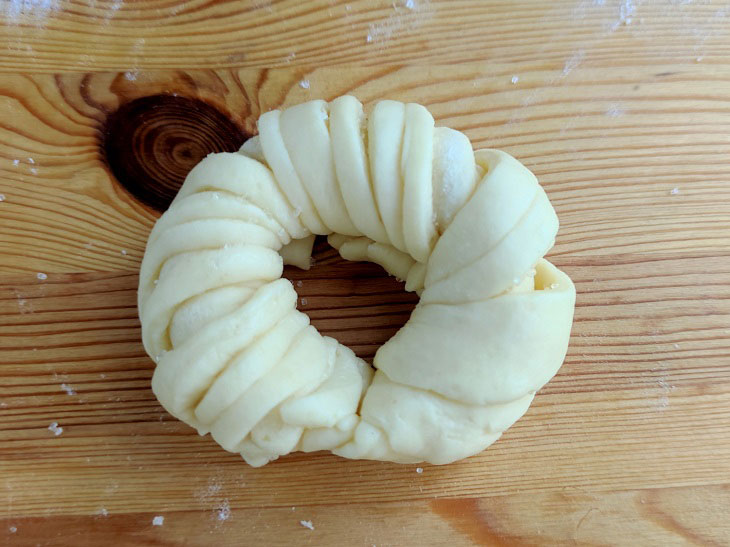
(465, 230)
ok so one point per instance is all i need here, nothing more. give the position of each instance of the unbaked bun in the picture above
(466, 231)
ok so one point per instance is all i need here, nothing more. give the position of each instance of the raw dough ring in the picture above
(467, 231)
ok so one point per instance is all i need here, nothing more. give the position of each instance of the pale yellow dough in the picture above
(465, 230)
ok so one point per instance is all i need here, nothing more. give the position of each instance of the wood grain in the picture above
(154, 34)
(639, 388)
(608, 153)
(667, 516)
(622, 109)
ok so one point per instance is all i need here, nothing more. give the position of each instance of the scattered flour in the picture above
(614, 111)
(663, 401)
(2, 197)
(23, 305)
(307, 524)
(304, 84)
(213, 488)
(68, 389)
(41, 276)
(55, 428)
(666, 388)
(573, 62)
(515, 79)
(211, 496)
(399, 21)
(626, 11)
(674, 191)
(419, 470)
(158, 520)
(224, 511)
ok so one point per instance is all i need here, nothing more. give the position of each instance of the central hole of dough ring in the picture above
(357, 303)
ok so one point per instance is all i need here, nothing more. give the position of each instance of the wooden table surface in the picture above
(622, 109)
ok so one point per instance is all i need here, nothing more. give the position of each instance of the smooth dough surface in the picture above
(466, 230)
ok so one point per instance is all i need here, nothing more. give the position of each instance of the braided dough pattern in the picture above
(467, 231)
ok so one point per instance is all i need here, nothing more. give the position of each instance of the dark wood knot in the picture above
(151, 143)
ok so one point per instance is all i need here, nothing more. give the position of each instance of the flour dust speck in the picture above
(224, 511)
